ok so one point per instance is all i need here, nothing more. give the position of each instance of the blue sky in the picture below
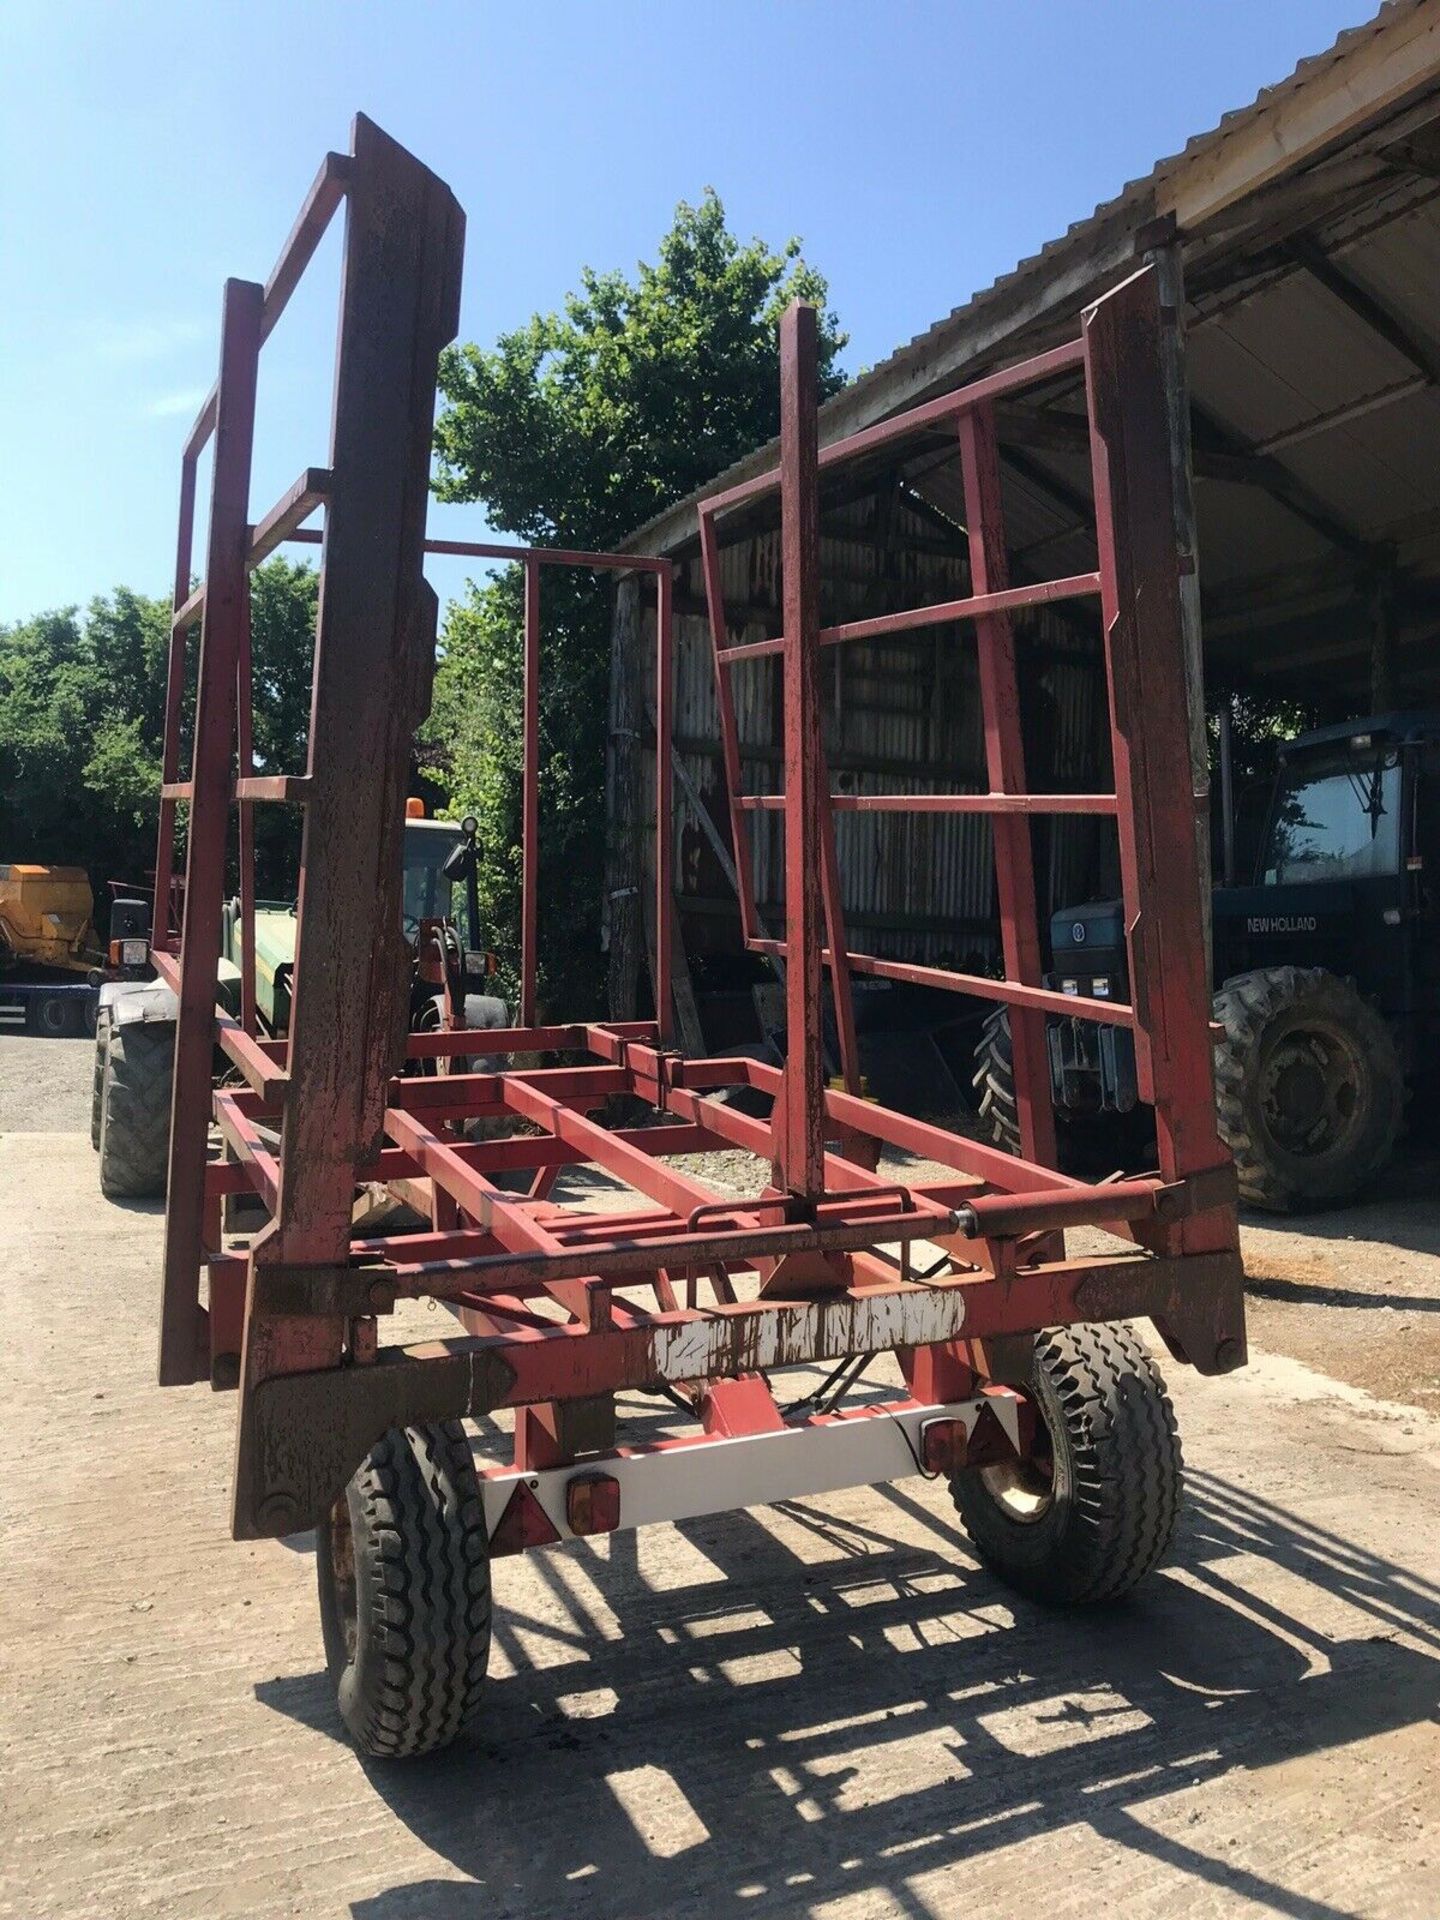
(149, 149)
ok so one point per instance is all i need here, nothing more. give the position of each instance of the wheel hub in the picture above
(1310, 1090)
(1024, 1487)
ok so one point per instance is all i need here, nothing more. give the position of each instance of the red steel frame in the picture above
(563, 1307)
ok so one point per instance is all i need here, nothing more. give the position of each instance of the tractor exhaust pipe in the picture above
(1227, 793)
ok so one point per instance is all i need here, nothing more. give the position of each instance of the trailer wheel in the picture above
(135, 1110)
(1089, 1514)
(1309, 1087)
(97, 1078)
(404, 1570)
(52, 1015)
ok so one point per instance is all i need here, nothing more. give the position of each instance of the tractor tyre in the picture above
(135, 1110)
(1089, 1514)
(403, 1559)
(1309, 1087)
(97, 1077)
(1085, 1143)
(994, 1081)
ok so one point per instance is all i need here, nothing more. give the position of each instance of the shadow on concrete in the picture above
(771, 1716)
(1315, 1293)
(1399, 1210)
(154, 1207)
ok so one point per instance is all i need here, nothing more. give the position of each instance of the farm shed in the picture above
(1299, 244)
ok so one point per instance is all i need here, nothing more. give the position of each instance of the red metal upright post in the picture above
(227, 589)
(374, 655)
(750, 927)
(174, 699)
(664, 806)
(245, 742)
(530, 800)
(1005, 769)
(800, 1113)
(1145, 659)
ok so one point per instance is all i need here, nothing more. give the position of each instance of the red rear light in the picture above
(944, 1446)
(592, 1503)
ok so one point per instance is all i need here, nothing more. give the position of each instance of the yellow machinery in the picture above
(47, 917)
(47, 932)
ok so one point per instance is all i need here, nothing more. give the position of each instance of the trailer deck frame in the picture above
(691, 1291)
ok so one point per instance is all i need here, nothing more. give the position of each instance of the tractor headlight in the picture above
(1070, 986)
(133, 953)
(1100, 987)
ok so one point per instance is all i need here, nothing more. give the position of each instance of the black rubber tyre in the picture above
(1084, 1144)
(404, 1569)
(994, 1081)
(97, 1078)
(135, 1110)
(1309, 1087)
(53, 1014)
(1092, 1513)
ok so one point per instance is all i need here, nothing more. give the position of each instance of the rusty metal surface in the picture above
(1140, 597)
(799, 1134)
(1020, 942)
(223, 635)
(684, 1288)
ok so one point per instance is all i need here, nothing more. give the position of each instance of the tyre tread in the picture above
(1125, 1464)
(1244, 1006)
(134, 1123)
(423, 1529)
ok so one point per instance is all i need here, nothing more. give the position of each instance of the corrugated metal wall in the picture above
(901, 715)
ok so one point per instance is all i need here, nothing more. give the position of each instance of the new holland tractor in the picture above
(135, 1030)
(1328, 972)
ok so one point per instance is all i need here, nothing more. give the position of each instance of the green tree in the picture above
(82, 712)
(572, 431)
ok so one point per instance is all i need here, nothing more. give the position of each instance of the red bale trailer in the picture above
(1020, 1383)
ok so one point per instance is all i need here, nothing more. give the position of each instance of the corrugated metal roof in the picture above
(1272, 352)
(1136, 202)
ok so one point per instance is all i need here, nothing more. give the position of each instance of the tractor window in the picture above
(428, 894)
(1336, 819)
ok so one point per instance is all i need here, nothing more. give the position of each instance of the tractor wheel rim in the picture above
(1311, 1090)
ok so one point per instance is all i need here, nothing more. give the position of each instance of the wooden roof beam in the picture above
(1382, 320)
(1217, 449)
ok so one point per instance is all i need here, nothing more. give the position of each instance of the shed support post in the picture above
(1170, 281)
(1382, 640)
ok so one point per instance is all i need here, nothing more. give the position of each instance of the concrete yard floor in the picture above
(823, 1709)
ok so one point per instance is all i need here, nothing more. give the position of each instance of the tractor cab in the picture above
(440, 912)
(1347, 867)
(440, 880)
(1327, 968)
